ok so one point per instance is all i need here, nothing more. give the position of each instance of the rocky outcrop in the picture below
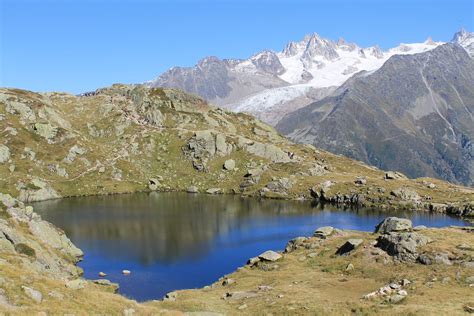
(37, 190)
(205, 145)
(267, 151)
(47, 248)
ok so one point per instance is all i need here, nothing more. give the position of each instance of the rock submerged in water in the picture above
(393, 224)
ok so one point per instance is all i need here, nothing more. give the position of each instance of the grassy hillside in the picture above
(132, 138)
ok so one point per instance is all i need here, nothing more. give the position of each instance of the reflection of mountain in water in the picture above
(163, 227)
(153, 227)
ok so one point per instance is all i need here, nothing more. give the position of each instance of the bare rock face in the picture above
(269, 62)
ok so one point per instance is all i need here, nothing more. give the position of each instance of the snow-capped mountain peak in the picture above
(269, 80)
(465, 39)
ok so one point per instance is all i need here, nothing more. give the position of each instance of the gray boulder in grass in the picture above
(394, 224)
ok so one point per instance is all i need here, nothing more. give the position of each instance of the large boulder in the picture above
(393, 224)
(403, 246)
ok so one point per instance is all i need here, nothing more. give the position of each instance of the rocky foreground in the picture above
(133, 138)
(398, 269)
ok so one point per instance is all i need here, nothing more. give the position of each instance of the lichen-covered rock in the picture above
(403, 246)
(76, 284)
(33, 294)
(229, 164)
(74, 151)
(268, 151)
(45, 130)
(4, 154)
(270, 255)
(323, 232)
(205, 145)
(19, 108)
(280, 186)
(393, 224)
(37, 190)
(47, 248)
(406, 194)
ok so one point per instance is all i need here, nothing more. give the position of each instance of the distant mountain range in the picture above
(408, 108)
(414, 114)
(270, 84)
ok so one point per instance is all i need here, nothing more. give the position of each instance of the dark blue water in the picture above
(175, 240)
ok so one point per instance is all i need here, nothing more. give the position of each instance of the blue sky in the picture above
(76, 46)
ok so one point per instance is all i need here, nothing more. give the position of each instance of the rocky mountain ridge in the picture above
(271, 84)
(414, 114)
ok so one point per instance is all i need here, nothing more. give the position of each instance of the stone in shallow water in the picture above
(270, 255)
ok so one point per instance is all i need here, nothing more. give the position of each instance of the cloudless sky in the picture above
(77, 46)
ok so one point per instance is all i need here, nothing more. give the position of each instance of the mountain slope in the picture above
(133, 138)
(414, 114)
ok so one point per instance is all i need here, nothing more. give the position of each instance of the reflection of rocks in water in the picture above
(166, 227)
(158, 227)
